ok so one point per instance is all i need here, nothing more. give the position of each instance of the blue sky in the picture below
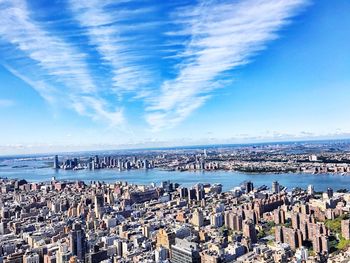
(79, 75)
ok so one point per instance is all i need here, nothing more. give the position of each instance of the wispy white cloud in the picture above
(45, 90)
(207, 41)
(223, 35)
(109, 33)
(61, 62)
(85, 105)
(59, 59)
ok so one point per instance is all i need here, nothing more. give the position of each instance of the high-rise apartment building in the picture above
(77, 241)
(185, 252)
(249, 230)
(198, 218)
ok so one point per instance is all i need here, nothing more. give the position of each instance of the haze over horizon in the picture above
(87, 75)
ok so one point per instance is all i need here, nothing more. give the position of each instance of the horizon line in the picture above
(193, 146)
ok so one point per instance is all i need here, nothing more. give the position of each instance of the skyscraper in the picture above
(99, 203)
(77, 241)
(329, 192)
(310, 190)
(200, 194)
(191, 194)
(183, 191)
(275, 187)
(249, 187)
(145, 164)
(56, 164)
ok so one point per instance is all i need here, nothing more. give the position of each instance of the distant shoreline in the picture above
(125, 149)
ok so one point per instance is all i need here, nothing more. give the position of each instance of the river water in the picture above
(37, 171)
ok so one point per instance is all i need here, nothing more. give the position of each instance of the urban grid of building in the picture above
(75, 221)
(58, 221)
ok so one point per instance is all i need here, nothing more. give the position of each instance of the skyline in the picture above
(135, 73)
(33, 150)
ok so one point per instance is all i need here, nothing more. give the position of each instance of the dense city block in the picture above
(73, 221)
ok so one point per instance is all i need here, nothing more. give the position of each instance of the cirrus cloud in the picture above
(221, 36)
